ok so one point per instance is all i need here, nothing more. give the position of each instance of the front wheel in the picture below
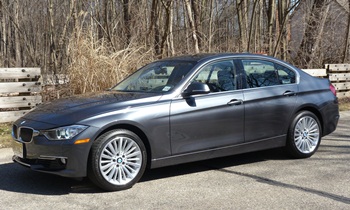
(117, 160)
(304, 135)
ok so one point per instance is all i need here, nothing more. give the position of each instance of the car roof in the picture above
(207, 56)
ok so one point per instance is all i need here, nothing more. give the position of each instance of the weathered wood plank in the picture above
(339, 77)
(11, 115)
(20, 101)
(20, 87)
(19, 73)
(338, 67)
(316, 72)
(343, 94)
(342, 86)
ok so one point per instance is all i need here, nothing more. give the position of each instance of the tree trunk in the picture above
(210, 36)
(192, 25)
(127, 22)
(271, 21)
(309, 38)
(17, 35)
(168, 33)
(346, 45)
(319, 36)
(196, 18)
(251, 26)
(154, 26)
(167, 7)
(3, 35)
(241, 7)
(53, 57)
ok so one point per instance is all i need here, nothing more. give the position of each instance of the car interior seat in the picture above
(226, 78)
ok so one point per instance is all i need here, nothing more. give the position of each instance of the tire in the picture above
(304, 135)
(117, 160)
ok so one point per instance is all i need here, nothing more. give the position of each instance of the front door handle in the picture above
(289, 93)
(235, 102)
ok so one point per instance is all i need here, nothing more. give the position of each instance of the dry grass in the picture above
(5, 135)
(96, 67)
(344, 104)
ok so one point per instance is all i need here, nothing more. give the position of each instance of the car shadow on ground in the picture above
(217, 163)
(16, 178)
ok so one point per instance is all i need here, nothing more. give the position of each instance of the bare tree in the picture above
(346, 45)
(192, 25)
(241, 6)
(127, 21)
(284, 9)
(251, 29)
(50, 33)
(307, 45)
(3, 35)
(17, 33)
(271, 20)
(171, 34)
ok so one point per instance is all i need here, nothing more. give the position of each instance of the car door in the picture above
(270, 96)
(211, 120)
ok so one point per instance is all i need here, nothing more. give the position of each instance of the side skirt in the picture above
(279, 141)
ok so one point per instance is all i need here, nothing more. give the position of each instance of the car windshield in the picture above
(161, 76)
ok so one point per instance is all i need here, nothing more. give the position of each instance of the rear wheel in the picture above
(304, 135)
(117, 160)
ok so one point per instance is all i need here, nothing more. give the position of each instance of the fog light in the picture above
(63, 161)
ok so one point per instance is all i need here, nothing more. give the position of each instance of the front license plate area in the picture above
(18, 149)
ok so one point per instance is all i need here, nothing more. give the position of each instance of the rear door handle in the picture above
(235, 102)
(289, 93)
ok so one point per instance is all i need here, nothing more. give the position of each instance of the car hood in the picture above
(72, 110)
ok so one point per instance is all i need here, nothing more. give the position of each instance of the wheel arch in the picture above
(133, 129)
(315, 111)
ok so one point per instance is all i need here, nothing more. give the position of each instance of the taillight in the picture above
(332, 88)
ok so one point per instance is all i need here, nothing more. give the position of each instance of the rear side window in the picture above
(264, 73)
(285, 75)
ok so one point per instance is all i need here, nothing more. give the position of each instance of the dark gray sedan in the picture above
(178, 110)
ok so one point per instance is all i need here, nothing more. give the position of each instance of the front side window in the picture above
(219, 76)
(161, 76)
(264, 73)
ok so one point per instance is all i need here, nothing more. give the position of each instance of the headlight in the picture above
(63, 133)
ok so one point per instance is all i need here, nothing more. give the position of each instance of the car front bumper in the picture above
(68, 162)
(62, 158)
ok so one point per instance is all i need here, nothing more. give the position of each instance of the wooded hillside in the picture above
(109, 38)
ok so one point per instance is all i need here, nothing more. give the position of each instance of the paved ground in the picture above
(261, 180)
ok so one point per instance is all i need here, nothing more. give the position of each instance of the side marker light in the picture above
(81, 141)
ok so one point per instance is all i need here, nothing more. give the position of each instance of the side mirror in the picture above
(196, 88)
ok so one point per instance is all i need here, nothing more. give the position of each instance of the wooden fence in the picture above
(19, 92)
(338, 74)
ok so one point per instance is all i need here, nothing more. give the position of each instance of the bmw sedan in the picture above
(178, 110)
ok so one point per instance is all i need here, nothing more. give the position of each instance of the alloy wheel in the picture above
(306, 134)
(120, 160)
